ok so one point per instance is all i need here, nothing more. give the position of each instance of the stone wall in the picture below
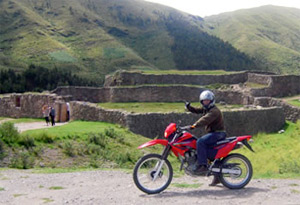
(150, 124)
(148, 94)
(291, 112)
(259, 78)
(279, 86)
(92, 112)
(153, 124)
(26, 105)
(134, 78)
(88, 94)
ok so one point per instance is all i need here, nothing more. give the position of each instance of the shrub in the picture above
(69, 149)
(1, 146)
(1, 149)
(94, 149)
(45, 137)
(8, 133)
(22, 160)
(27, 141)
(110, 132)
(98, 139)
(289, 167)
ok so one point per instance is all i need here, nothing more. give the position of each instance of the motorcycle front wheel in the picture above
(241, 171)
(152, 174)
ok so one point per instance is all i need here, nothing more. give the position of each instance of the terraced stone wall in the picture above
(129, 78)
(149, 94)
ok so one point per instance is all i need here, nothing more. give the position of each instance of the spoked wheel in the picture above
(152, 174)
(240, 171)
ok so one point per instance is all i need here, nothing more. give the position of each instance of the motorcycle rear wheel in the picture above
(145, 170)
(242, 165)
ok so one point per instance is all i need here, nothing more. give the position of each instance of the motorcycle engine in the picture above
(190, 161)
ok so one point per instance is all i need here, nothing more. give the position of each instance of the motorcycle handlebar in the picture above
(188, 127)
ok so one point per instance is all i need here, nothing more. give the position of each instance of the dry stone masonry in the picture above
(138, 87)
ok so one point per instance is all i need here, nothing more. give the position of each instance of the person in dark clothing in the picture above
(46, 112)
(52, 115)
(212, 120)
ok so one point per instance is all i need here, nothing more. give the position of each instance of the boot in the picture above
(200, 170)
(215, 181)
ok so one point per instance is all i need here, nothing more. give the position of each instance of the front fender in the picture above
(154, 142)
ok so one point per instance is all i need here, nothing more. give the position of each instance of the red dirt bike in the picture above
(153, 172)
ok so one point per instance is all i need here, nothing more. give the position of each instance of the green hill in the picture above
(270, 34)
(95, 37)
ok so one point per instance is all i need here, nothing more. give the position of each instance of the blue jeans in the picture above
(205, 142)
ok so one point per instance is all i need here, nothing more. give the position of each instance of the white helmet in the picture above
(207, 95)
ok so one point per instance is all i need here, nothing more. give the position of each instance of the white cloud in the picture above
(210, 7)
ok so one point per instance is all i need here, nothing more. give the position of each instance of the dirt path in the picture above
(34, 125)
(117, 187)
(31, 125)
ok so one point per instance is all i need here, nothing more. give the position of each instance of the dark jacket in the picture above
(52, 112)
(212, 119)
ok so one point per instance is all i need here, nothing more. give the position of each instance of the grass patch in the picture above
(293, 184)
(186, 72)
(47, 200)
(295, 191)
(56, 187)
(255, 85)
(62, 56)
(18, 195)
(295, 102)
(157, 107)
(276, 155)
(94, 142)
(2, 189)
(185, 185)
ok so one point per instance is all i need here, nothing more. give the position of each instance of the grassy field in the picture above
(276, 155)
(78, 144)
(158, 107)
(253, 37)
(82, 145)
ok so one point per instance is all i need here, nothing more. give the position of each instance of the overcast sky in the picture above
(211, 7)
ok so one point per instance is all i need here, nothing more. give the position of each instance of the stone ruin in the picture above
(265, 113)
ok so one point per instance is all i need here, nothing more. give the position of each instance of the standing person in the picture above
(68, 111)
(52, 115)
(212, 120)
(46, 112)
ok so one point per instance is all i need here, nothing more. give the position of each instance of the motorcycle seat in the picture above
(226, 140)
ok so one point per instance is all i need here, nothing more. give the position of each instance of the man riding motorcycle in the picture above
(212, 120)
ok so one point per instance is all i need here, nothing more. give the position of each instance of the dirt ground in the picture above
(34, 125)
(23, 126)
(117, 187)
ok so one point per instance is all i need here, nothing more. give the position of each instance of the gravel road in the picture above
(117, 187)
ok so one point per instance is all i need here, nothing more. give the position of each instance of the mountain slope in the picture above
(95, 37)
(270, 34)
